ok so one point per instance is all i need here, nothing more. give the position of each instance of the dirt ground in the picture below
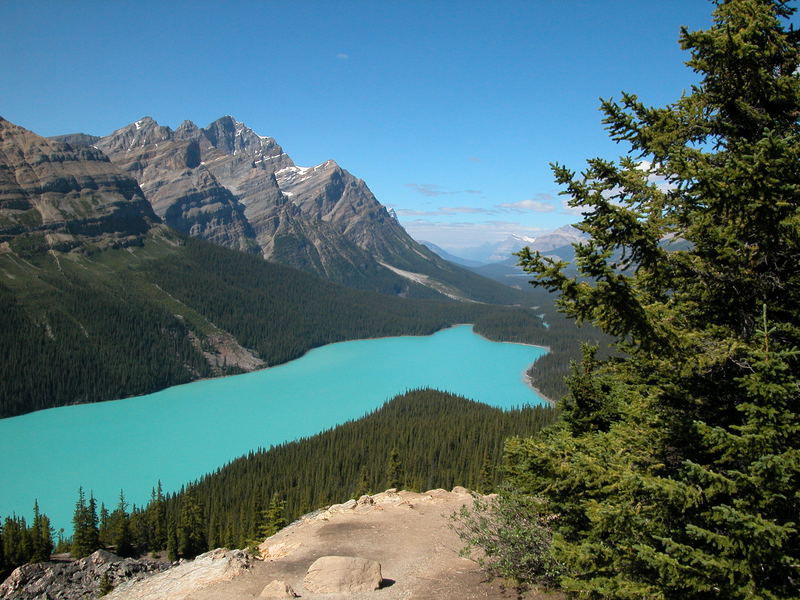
(408, 533)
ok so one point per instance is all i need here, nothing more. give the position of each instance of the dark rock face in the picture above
(169, 166)
(75, 580)
(60, 196)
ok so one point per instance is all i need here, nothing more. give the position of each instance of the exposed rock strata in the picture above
(180, 582)
(75, 580)
(169, 165)
(56, 196)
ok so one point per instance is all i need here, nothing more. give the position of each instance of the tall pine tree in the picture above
(676, 471)
(191, 529)
(85, 531)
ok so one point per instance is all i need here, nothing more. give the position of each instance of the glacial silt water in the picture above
(178, 434)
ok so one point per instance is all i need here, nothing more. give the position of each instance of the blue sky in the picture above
(450, 111)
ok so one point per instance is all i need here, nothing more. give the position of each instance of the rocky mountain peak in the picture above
(187, 130)
(227, 184)
(232, 137)
(139, 134)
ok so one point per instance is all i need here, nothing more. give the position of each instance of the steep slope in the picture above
(54, 196)
(184, 193)
(226, 184)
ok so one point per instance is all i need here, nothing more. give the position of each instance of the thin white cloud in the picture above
(529, 205)
(342, 56)
(428, 189)
(465, 234)
(433, 190)
(444, 210)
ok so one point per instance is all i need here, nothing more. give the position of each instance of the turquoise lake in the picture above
(178, 434)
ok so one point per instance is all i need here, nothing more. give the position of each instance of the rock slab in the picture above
(343, 574)
(278, 589)
(75, 580)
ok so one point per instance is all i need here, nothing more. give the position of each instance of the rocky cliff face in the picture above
(54, 195)
(183, 192)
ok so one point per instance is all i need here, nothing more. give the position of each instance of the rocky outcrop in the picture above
(56, 196)
(342, 575)
(75, 580)
(187, 578)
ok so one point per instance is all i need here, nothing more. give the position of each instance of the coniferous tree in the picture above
(394, 470)
(486, 477)
(172, 542)
(85, 532)
(105, 525)
(157, 520)
(105, 586)
(16, 541)
(363, 485)
(191, 530)
(122, 538)
(274, 517)
(41, 536)
(675, 473)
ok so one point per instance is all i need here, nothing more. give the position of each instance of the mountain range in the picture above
(554, 242)
(228, 185)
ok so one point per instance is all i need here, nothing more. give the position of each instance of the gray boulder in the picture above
(343, 574)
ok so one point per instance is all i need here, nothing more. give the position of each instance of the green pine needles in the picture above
(676, 470)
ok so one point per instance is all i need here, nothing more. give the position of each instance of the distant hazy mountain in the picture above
(503, 251)
(227, 184)
(448, 256)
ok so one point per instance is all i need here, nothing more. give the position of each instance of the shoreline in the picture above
(549, 401)
(525, 376)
